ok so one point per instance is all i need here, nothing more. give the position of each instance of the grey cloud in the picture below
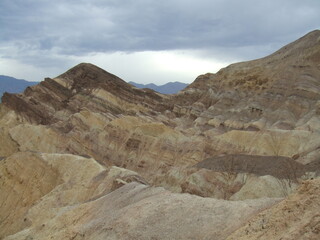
(224, 28)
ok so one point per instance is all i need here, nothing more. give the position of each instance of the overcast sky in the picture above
(143, 40)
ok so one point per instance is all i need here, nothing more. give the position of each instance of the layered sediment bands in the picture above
(272, 142)
(225, 184)
(34, 114)
(87, 78)
(282, 89)
(300, 59)
(127, 141)
(84, 155)
(85, 85)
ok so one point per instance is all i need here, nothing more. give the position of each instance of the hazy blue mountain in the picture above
(168, 88)
(13, 85)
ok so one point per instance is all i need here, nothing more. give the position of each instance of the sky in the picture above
(146, 41)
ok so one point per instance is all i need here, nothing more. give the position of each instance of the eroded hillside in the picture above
(249, 133)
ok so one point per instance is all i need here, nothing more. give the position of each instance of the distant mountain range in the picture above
(168, 88)
(13, 85)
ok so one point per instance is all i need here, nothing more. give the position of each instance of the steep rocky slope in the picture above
(280, 91)
(248, 133)
(297, 217)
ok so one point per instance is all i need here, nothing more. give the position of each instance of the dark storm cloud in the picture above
(42, 32)
(92, 26)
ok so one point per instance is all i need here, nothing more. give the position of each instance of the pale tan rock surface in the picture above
(273, 142)
(25, 178)
(63, 196)
(264, 186)
(36, 187)
(297, 217)
(8, 146)
(136, 211)
(69, 144)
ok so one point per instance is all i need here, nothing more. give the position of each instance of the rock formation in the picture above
(87, 156)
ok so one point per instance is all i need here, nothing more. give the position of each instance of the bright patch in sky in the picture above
(154, 66)
(16, 69)
(157, 67)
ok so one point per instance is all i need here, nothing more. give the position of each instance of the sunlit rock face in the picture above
(87, 156)
(296, 217)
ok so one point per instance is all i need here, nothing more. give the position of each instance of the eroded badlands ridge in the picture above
(249, 133)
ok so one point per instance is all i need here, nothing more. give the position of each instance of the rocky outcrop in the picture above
(85, 85)
(37, 186)
(281, 90)
(88, 155)
(25, 178)
(297, 217)
(63, 196)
